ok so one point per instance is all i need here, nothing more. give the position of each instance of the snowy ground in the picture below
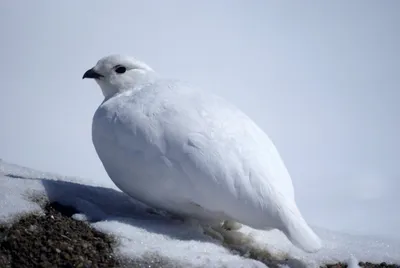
(146, 235)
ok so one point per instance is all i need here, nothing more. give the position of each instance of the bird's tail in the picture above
(297, 230)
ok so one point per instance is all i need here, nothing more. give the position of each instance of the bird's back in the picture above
(163, 116)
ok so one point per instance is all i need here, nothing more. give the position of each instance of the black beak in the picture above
(91, 74)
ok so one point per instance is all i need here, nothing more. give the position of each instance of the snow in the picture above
(353, 262)
(145, 235)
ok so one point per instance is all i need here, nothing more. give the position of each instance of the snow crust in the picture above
(145, 235)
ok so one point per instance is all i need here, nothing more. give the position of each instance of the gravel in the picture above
(363, 264)
(56, 240)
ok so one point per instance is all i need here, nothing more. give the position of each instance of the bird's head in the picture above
(117, 73)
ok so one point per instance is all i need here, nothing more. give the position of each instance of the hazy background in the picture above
(320, 77)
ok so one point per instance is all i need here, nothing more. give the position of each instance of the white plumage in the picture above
(190, 152)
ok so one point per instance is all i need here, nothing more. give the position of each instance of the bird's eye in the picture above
(120, 69)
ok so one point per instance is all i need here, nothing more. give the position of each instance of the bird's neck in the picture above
(107, 90)
(137, 81)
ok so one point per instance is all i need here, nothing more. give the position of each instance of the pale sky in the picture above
(320, 77)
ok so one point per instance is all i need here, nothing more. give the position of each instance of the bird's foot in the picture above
(226, 232)
(231, 225)
(210, 231)
(231, 236)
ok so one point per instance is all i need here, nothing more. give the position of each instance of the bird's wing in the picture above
(230, 162)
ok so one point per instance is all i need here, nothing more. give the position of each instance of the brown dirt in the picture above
(54, 240)
(363, 264)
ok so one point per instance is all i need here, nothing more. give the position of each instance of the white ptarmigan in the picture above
(189, 152)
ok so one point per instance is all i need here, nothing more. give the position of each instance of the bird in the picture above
(188, 151)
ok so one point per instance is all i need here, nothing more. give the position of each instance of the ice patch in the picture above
(353, 263)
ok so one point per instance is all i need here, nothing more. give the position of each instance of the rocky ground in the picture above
(362, 264)
(57, 240)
